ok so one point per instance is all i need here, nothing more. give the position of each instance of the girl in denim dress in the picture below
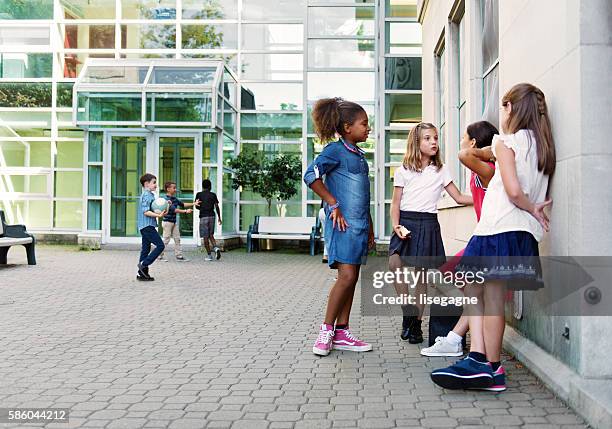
(348, 225)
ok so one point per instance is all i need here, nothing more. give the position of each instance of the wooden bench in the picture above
(14, 235)
(283, 228)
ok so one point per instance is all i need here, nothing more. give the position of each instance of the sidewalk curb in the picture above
(590, 398)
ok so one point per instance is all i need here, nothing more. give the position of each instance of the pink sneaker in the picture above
(323, 345)
(344, 340)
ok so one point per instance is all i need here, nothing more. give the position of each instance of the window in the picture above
(272, 37)
(31, 9)
(441, 97)
(22, 65)
(490, 60)
(341, 21)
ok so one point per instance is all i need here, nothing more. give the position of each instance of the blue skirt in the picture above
(349, 246)
(509, 256)
(424, 247)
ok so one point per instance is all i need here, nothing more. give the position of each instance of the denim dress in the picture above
(346, 177)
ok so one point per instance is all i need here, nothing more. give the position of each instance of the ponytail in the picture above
(530, 112)
(330, 114)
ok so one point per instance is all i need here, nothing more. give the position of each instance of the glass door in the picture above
(127, 164)
(177, 164)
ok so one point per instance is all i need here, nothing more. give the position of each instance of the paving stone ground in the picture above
(222, 345)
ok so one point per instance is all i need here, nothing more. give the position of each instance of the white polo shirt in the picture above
(421, 190)
(499, 214)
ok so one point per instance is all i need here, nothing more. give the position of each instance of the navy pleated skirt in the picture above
(424, 248)
(510, 256)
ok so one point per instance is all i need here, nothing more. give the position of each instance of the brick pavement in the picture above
(219, 345)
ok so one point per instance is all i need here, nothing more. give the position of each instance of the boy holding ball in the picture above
(147, 225)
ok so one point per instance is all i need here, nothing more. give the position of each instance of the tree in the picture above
(26, 9)
(273, 178)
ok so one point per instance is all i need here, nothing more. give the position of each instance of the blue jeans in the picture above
(150, 236)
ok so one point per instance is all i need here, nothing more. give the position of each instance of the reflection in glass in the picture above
(354, 86)
(88, 36)
(210, 36)
(83, 9)
(403, 108)
(395, 145)
(353, 53)
(115, 74)
(69, 154)
(272, 37)
(272, 9)
(25, 36)
(148, 9)
(403, 73)
(210, 9)
(30, 94)
(272, 96)
(128, 160)
(94, 181)
(94, 215)
(68, 184)
(182, 75)
(401, 8)
(97, 107)
(403, 38)
(341, 21)
(68, 214)
(272, 66)
(148, 36)
(179, 107)
(270, 126)
(95, 147)
(22, 65)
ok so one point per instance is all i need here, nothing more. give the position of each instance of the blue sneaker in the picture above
(467, 373)
(499, 380)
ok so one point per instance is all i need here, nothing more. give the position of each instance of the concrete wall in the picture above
(565, 48)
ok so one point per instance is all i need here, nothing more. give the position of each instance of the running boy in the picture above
(207, 202)
(147, 225)
(170, 225)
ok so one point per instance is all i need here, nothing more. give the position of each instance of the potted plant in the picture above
(274, 178)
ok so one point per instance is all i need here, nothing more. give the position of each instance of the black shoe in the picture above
(324, 260)
(144, 272)
(144, 279)
(407, 322)
(217, 253)
(416, 333)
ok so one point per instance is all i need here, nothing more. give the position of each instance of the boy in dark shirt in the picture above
(170, 225)
(208, 204)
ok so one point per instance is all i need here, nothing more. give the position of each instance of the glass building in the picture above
(93, 93)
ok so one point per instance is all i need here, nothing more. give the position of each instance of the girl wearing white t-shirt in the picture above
(504, 247)
(417, 187)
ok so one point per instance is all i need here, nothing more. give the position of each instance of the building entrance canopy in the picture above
(155, 93)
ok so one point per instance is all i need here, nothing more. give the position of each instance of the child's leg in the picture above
(494, 321)
(176, 236)
(475, 317)
(420, 292)
(345, 312)
(167, 233)
(152, 237)
(206, 242)
(462, 326)
(213, 241)
(395, 263)
(340, 292)
(145, 247)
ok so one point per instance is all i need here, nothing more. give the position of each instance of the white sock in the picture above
(453, 338)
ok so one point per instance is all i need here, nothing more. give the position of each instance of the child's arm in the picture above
(512, 186)
(476, 160)
(218, 212)
(321, 190)
(456, 194)
(324, 163)
(395, 211)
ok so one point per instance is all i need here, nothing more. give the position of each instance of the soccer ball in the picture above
(159, 205)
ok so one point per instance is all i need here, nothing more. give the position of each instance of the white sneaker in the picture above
(208, 258)
(182, 259)
(217, 253)
(443, 347)
(162, 258)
